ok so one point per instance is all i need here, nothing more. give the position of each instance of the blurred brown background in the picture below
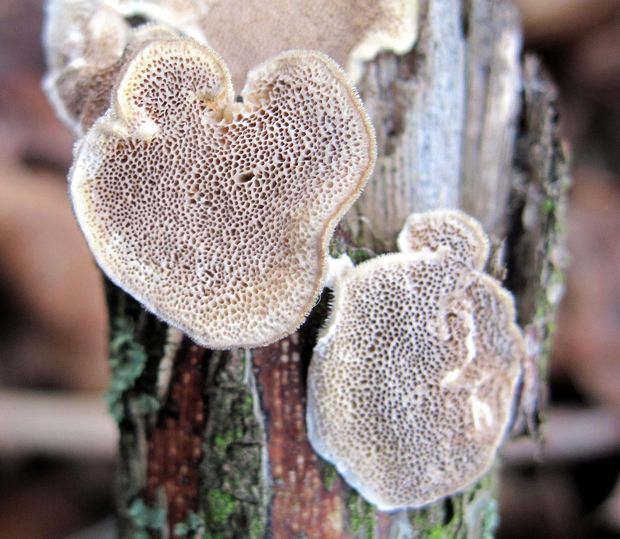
(56, 442)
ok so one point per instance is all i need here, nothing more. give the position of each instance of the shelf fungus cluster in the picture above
(215, 210)
(87, 42)
(216, 215)
(175, 180)
(412, 382)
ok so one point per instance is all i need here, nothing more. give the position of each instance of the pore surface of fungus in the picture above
(412, 383)
(216, 214)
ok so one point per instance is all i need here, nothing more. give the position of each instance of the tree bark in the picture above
(213, 444)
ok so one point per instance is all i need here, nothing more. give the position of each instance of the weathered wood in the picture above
(450, 117)
(493, 103)
(417, 105)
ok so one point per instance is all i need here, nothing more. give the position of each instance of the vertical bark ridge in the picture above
(175, 447)
(301, 500)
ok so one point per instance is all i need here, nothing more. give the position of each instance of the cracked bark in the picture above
(213, 444)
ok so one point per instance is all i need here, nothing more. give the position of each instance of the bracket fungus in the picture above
(87, 45)
(350, 32)
(86, 40)
(412, 383)
(215, 214)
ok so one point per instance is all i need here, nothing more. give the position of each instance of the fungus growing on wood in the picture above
(86, 39)
(453, 232)
(349, 32)
(86, 45)
(83, 40)
(216, 214)
(412, 383)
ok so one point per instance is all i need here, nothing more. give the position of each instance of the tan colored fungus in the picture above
(85, 39)
(87, 45)
(247, 32)
(349, 32)
(456, 233)
(83, 31)
(186, 16)
(216, 214)
(412, 383)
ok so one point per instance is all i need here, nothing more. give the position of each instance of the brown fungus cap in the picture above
(349, 32)
(412, 383)
(215, 214)
(247, 32)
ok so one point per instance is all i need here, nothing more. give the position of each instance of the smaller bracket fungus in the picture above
(86, 44)
(83, 43)
(452, 232)
(216, 215)
(412, 383)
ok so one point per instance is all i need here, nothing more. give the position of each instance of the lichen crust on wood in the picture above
(235, 490)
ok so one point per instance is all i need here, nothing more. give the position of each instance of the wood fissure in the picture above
(300, 500)
(175, 447)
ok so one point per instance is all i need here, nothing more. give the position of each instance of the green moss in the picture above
(356, 254)
(329, 475)
(548, 205)
(361, 516)
(127, 361)
(256, 529)
(434, 522)
(194, 525)
(233, 496)
(490, 519)
(137, 340)
(220, 506)
(136, 346)
(437, 532)
(145, 404)
(473, 513)
(146, 518)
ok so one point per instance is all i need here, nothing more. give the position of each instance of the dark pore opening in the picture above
(245, 177)
(136, 20)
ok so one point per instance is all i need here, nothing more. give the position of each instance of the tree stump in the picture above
(213, 444)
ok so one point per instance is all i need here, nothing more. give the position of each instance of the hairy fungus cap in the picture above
(411, 386)
(216, 214)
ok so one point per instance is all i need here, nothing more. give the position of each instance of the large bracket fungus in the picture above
(85, 40)
(350, 32)
(412, 383)
(217, 214)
